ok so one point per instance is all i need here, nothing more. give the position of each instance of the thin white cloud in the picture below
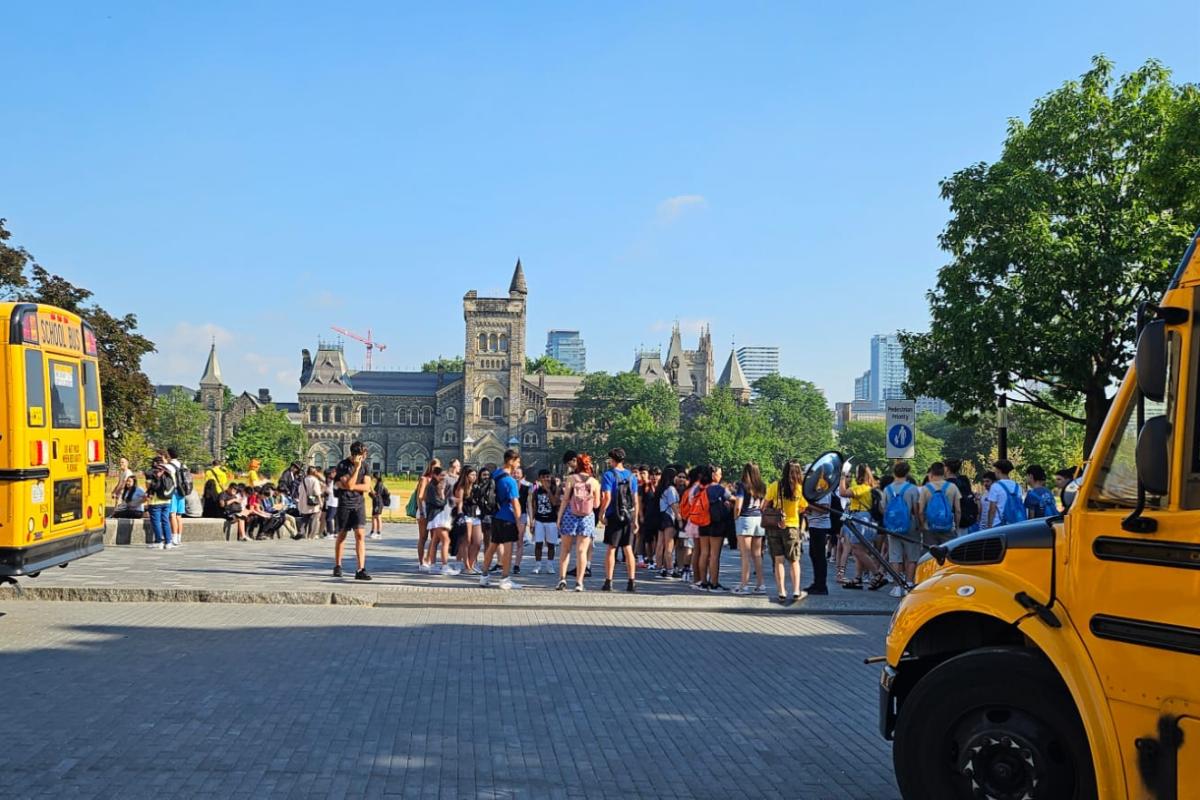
(327, 300)
(673, 208)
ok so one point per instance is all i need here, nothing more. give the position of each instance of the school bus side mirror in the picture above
(1151, 361)
(1152, 466)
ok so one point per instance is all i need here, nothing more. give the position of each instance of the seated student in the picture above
(132, 499)
(233, 506)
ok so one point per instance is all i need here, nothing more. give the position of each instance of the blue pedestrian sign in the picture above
(901, 426)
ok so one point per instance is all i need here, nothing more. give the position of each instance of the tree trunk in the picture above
(1095, 409)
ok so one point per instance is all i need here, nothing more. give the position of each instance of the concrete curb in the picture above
(91, 594)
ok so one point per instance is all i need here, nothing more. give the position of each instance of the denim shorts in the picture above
(868, 533)
(749, 526)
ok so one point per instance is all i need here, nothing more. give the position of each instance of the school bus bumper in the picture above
(16, 561)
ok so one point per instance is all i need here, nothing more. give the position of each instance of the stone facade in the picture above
(689, 372)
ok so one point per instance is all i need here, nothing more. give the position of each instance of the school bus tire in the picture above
(994, 722)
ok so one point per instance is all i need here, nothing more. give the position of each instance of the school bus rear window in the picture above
(64, 395)
(35, 388)
(91, 393)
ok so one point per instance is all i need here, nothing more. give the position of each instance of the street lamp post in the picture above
(1002, 425)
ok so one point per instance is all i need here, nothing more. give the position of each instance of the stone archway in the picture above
(324, 454)
(375, 457)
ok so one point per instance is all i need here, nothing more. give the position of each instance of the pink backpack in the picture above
(581, 504)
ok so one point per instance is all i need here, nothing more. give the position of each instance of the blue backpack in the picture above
(896, 517)
(939, 516)
(1014, 506)
(1043, 504)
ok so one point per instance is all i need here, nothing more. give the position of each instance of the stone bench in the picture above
(138, 531)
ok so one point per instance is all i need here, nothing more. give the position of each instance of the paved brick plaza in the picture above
(228, 700)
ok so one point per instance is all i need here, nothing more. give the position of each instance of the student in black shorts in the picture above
(352, 483)
(620, 524)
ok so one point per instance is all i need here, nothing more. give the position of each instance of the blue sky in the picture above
(260, 171)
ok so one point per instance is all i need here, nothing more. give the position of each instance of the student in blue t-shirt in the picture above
(621, 506)
(1039, 500)
(504, 521)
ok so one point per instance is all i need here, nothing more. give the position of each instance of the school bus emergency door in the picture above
(1061, 658)
(52, 469)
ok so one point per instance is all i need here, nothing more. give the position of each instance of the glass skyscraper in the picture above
(567, 347)
(758, 362)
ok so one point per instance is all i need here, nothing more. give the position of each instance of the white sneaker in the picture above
(897, 591)
(484, 580)
(170, 546)
(451, 571)
(760, 589)
(579, 587)
(507, 583)
(436, 569)
(155, 546)
(423, 568)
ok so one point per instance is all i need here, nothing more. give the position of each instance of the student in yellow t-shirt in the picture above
(860, 495)
(252, 477)
(786, 494)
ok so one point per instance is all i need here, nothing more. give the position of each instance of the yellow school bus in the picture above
(1061, 658)
(52, 466)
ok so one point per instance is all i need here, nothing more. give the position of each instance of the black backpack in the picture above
(876, 506)
(968, 506)
(164, 486)
(624, 499)
(184, 480)
(484, 494)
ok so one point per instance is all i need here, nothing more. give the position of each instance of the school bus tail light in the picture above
(39, 455)
(29, 327)
(89, 340)
(93, 451)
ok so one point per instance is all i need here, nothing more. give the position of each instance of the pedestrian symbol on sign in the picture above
(900, 436)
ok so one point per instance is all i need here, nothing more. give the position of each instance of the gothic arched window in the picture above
(482, 342)
(426, 416)
(555, 419)
(314, 414)
(530, 439)
(485, 408)
(449, 437)
(492, 343)
(376, 415)
(503, 343)
(530, 415)
(498, 408)
(324, 413)
(337, 413)
(451, 414)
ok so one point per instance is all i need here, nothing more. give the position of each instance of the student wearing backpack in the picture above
(863, 498)
(423, 562)
(940, 507)
(160, 488)
(968, 505)
(504, 521)
(381, 498)
(576, 519)
(1039, 500)
(619, 503)
(1006, 503)
(183, 487)
(901, 507)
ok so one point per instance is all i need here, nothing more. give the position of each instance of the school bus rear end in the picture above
(52, 469)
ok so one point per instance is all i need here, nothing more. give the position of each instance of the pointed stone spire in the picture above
(518, 285)
(212, 370)
(675, 349)
(733, 379)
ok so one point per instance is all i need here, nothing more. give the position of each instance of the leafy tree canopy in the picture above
(269, 435)
(180, 422)
(798, 416)
(866, 441)
(548, 365)
(1055, 245)
(456, 364)
(729, 434)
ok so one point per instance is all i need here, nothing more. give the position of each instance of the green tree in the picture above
(269, 435)
(180, 422)
(729, 434)
(13, 263)
(797, 414)
(456, 364)
(548, 365)
(1055, 245)
(972, 443)
(134, 447)
(623, 411)
(1038, 437)
(128, 395)
(866, 441)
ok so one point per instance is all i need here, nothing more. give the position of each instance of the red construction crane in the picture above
(371, 344)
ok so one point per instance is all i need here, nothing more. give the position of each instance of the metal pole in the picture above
(1002, 424)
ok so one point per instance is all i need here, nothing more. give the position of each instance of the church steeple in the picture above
(212, 370)
(733, 379)
(518, 285)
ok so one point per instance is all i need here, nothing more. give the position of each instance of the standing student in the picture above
(504, 521)
(863, 497)
(940, 507)
(466, 501)
(309, 503)
(667, 498)
(352, 483)
(576, 519)
(900, 516)
(331, 503)
(422, 522)
(381, 498)
(710, 510)
(1039, 501)
(524, 524)
(545, 520)
(748, 496)
(440, 513)
(1006, 505)
(619, 501)
(183, 487)
(968, 504)
(784, 545)
(160, 488)
(820, 529)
